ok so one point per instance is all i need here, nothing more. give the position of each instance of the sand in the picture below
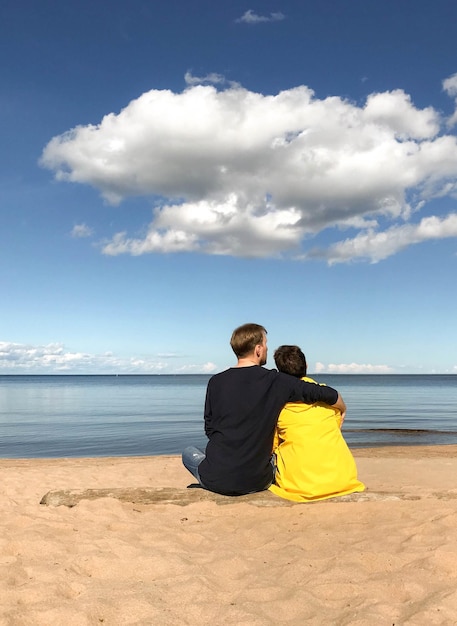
(389, 560)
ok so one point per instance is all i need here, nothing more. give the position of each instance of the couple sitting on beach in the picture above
(271, 429)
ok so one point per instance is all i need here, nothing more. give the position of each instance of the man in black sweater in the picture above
(241, 410)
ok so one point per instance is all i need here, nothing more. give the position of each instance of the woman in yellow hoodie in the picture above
(312, 458)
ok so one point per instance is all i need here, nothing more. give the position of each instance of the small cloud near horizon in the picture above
(55, 358)
(352, 368)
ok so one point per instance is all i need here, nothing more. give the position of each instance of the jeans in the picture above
(191, 458)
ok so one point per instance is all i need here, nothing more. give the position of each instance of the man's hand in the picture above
(339, 404)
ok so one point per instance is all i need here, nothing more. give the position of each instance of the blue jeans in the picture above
(191, 459)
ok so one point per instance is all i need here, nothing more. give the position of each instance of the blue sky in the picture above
(170, 170)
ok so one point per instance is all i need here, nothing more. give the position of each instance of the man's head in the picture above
(290, 360)
(250, 340)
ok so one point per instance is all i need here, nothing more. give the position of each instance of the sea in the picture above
(141, 415)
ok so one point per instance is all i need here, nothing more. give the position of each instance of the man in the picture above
(241, 410)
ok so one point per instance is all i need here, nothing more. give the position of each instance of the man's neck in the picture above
(248, 362)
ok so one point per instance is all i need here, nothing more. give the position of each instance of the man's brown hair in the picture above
(290, 360)
(245, 338)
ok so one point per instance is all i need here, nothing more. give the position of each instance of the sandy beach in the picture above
(391, 559)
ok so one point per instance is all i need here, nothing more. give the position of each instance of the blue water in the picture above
(82, 416)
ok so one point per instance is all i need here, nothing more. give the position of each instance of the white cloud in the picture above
(16, 358)
(213, 78)
(352, 368)
(215, 228)
(394, 110)
(253, 18)
(81, 230)
(246, 174)
(209, 367)
(450, 87)
(206, 368)
(378, 246)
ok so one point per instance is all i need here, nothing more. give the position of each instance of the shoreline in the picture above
(390, 450)
(390, 560)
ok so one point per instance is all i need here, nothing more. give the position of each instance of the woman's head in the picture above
(290, 360)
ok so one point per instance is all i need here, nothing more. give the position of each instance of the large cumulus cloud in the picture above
(234, 172)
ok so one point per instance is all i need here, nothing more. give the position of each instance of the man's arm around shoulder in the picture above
(312, 392)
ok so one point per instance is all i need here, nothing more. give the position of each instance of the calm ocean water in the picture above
(81, 416)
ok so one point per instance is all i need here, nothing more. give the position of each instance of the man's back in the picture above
(241, 410)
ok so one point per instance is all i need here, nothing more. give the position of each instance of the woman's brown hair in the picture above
(290, 360)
